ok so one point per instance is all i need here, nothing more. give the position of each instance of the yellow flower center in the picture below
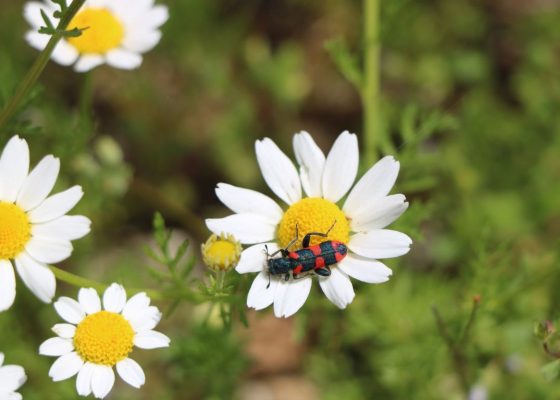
(102, 31)
(313, 214)
(221, 252)
(104, 338)
(15, 230)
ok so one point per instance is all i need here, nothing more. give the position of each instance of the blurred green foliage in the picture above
(471, 94)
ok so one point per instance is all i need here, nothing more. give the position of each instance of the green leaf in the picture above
(346, 62)
(551, 370)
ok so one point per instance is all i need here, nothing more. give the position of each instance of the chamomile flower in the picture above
(12, 377)
(34, 228)
(95, 339)
(359, 222)
(118, 32)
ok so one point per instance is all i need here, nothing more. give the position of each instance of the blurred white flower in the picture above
(359, 223)
(34, 228)
(12, 377)
(478, 392)
(95, 339)
(118, 32)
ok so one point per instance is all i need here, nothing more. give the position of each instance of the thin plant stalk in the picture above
(371, 80)
(37, 68)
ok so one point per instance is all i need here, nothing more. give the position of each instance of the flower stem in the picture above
(457, 356)
(39, 65)
(173, 294)
(371, 86)
(76, 280)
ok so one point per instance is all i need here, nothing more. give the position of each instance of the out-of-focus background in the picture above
(471, 96)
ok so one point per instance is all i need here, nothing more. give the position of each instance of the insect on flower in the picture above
(317, 258)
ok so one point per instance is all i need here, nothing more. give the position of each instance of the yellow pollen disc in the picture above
(104, 31)
(313, 214)
(15, 230)
(221, 252)
(104, 338)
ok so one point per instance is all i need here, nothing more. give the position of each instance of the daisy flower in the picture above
(12, 377)
(94, 340)
(118, 32)
(34, 229)
(359, 222)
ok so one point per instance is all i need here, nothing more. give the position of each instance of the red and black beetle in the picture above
(317, 258)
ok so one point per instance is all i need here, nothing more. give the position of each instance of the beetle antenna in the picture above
(332, 226)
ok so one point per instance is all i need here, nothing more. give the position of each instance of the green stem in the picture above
(39, 65)
(173, 294)
(470, 321)
(76, 280)
(457, 355)
(370, 90)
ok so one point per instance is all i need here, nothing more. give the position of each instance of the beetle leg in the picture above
(325, 271)
(267, 286)
(307, 239)
(284, 252)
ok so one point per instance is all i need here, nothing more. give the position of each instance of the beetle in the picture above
(313, 259)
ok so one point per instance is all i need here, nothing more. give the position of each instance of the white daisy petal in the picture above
(32, 13)
(14, 166)
(261, 294)
(88, 62)
(13, 396)
(65, 367)
(157, 16)
(136, 304)
(48, 251)
(102, 380)
(39, 183)
(64, 53)
(253, 259)
(68, 227)
(89, 300)
(123, 59)
(65, 331)
(341, 167)
(338, 288)
(290, 296)
(278, 171)
(1, 359)
(365, 269)
(151, 340)
(378, 213)
(143, 41)
(56, 347)
(83, 381)
(145, 320)
(69, 310)
(248, 201)
(114, 298)
(37, 277)
(131, 372)
(247, 228)
(7, 285)
(11, 378)
(312, 161)
(56, 205)
(37, 40)
(380, 243)
(376, 183)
